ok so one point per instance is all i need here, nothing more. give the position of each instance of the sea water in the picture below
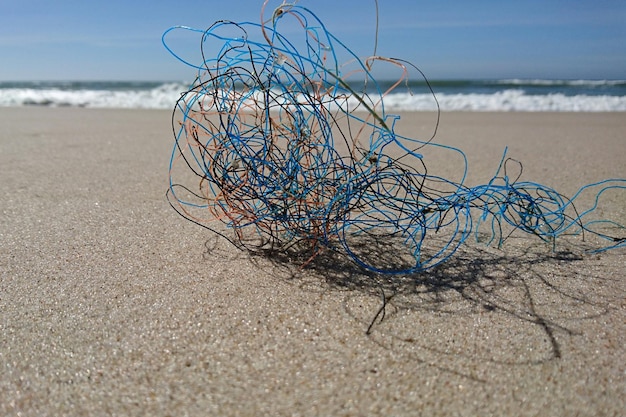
(451, 95)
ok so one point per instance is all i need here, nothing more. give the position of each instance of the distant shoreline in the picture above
(452, 95)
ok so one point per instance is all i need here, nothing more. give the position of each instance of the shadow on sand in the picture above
(474, 305)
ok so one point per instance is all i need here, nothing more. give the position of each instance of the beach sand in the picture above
(112, 304)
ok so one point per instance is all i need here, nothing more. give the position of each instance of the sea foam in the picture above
(162, 95)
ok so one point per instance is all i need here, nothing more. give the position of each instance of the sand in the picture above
(112, 304)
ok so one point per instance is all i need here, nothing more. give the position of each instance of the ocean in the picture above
(452, 95)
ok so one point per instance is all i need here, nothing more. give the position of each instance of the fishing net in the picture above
(293, 151)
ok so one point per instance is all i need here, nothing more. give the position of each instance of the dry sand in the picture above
(112, 304)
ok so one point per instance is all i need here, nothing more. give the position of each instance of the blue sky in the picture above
(121, 40)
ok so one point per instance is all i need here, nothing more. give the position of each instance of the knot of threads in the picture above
(281, 145)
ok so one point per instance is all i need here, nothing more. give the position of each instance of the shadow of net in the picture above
(539, 294)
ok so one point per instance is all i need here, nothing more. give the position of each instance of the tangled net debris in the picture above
(294, 151)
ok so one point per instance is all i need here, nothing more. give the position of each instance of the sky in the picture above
(457, 39)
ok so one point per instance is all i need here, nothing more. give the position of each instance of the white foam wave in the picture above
(542, 82)
(507, 100)
(161, 97)
(164, 97)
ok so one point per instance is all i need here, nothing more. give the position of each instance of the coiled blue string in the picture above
(287, 153)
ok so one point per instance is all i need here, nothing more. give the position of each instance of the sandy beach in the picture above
(112, 304)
